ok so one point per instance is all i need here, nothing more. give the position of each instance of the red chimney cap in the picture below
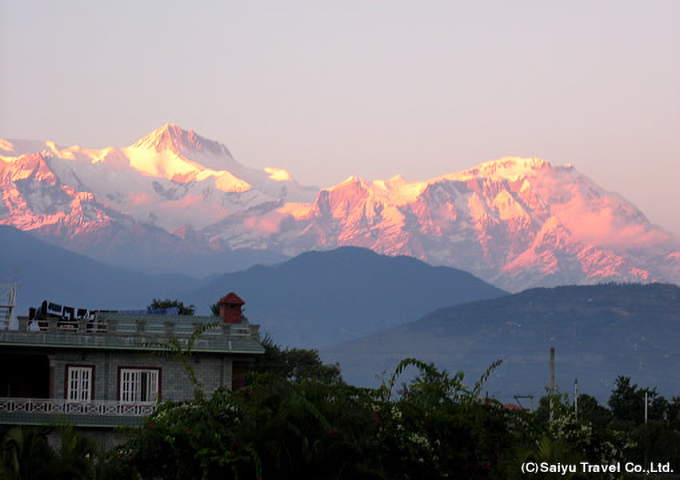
(231, 299)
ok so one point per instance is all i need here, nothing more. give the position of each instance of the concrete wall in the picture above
(104, 439)
(212, 370)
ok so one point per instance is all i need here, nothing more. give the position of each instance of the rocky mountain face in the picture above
(177, 201)
(514, 222)
(139, 206)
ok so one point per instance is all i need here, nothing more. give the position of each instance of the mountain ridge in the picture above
(320, 297)
(315, 299)
(171, 136)
(47, 272)
(516, 222)
(598, 331)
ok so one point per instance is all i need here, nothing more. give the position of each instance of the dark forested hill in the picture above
(317, 298)
(598, 332)
(321, 298)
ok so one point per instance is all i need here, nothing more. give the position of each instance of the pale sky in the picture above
(329, 89)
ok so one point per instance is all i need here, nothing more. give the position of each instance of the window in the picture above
(79, 383)
(238, 375)
(139, 385)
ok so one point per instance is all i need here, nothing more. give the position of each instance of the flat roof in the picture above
(139, 332)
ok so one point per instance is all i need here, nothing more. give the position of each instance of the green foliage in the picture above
(552, 451)
(296, 420)
(272, 428)
(627, 402)
(584, 436)
(299, 427)
(656, 440)
(439, 427)
(215, 309)
(590, 411)
(618, 434)
(25, 454)
(295, 364)
(167, 303)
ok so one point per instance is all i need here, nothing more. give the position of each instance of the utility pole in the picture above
(552, 380)
(646, 437)
(576, 398)
(646, 405)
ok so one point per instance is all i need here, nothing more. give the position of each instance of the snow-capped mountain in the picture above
(516, 222)
(169, 178)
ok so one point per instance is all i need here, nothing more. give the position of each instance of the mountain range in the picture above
(369, 311)
(177, 202)
(313, 300)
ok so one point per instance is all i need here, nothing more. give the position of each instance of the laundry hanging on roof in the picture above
(163, 311)
(70, 311)
(54, 307)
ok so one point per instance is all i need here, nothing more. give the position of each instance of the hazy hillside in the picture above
(47, 272)
(315, 299)
(599, 332)
(321, 298)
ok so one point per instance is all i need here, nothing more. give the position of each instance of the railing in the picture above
(62, 325)
(66, 407)
(98, 325)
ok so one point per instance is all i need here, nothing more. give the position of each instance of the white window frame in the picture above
(139, 385)
(79, 383)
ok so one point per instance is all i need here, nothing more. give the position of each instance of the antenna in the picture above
(7, 299)
(530, 397)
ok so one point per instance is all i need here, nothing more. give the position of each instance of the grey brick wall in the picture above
(212, 370)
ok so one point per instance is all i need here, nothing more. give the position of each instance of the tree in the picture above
(590, 411)
(295, 364)
(26, 454)
(167, 303)
(627, 403)
(276, 427)
(674, 413)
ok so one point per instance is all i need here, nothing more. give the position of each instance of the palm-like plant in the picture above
(25, 454)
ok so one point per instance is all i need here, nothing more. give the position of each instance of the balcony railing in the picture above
(55, 406)
(135, 332)
(98, 325)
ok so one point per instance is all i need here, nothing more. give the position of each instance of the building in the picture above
(108, 369)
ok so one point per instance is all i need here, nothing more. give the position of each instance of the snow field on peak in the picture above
(516, 221)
